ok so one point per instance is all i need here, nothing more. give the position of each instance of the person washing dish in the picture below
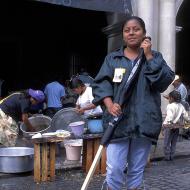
(15, 108)
(84, 103)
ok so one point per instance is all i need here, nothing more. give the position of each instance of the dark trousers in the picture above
(170, 141)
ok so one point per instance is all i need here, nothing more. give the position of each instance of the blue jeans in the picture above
(132, 151)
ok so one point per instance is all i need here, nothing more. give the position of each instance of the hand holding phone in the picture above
(146, 45)
(147, 37)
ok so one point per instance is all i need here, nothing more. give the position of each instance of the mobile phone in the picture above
(147, 37)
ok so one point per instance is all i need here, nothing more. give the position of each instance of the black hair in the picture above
(138, 19)
(75, 82)
(175, 95)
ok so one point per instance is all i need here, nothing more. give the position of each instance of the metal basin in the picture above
(16, 159)
(41, 123)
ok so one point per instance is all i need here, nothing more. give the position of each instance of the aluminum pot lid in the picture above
(64, 117)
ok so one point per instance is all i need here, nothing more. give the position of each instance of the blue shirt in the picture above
(54, 91)
(183, 91)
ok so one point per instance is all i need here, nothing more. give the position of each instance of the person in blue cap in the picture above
(15, 108)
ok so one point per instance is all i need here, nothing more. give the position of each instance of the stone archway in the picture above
(39, 40)
(182, 41)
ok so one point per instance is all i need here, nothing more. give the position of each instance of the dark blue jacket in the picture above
(142, 114)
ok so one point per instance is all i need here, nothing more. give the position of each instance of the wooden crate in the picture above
(44, 158)
(90, 147)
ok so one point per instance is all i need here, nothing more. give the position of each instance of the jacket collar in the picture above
(119, 52)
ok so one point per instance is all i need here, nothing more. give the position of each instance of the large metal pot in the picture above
(16, 159)
(40, 122)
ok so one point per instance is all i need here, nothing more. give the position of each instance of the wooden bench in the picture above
(91, 143)
(44, 158)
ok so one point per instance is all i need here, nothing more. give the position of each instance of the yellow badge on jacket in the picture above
(118, 74)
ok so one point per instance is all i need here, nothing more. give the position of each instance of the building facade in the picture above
(160, 19)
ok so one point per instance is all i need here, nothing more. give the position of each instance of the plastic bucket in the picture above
(73, 149)
(77, 128)
(95, 126)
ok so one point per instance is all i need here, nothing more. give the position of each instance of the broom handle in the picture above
(92, 168)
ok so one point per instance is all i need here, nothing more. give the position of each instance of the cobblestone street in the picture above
(161, 175)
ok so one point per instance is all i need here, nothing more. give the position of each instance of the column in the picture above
(145, 10)
(148, 11)
(167, 35)
(114, 30)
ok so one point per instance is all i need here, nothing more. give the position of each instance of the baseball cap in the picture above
(37, 94)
